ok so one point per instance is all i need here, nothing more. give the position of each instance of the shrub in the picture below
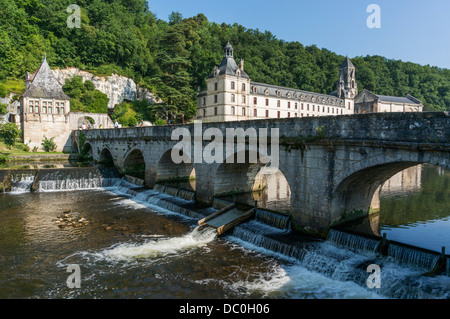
(48, 144)
(160, 122)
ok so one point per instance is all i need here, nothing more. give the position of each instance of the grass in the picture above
(17, 151)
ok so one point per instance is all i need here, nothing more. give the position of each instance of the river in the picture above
(138, 244)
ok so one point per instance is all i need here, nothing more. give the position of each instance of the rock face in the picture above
(118, 88)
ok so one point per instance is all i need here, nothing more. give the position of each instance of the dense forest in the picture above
(172, 58)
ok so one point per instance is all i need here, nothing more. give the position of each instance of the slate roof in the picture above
(408, 99)
(300, 95)
(43, 84)
(228, 65)
(347, 63)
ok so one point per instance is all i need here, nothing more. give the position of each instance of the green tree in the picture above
(9, 133)
(3, 108)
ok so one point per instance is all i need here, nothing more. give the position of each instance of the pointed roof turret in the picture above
(228, 65)
(228, 50)
(43, 84)
(347, 63)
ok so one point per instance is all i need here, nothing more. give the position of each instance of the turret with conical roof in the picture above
(228, 66)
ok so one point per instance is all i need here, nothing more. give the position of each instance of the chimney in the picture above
(241, 64)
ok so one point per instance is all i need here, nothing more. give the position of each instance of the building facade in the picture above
(45, 111)
(230, 95)
(368, 102)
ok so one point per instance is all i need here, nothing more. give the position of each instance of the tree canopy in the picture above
(173, 58)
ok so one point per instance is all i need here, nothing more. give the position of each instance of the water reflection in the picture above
(414, 209)
(271, 192)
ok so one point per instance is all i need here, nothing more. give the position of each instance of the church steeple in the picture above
(346, 86)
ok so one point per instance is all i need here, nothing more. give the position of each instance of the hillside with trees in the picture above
(172, 58)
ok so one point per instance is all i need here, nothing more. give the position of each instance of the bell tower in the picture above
(346, 86)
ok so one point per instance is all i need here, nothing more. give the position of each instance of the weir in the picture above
(343, 255)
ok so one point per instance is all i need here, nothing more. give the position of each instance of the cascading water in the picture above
(353, 242)
(21, 182)
(75, 179)
(273, 219)
(156, 247)
(413, 257)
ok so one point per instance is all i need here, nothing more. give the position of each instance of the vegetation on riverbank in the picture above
(172, 58)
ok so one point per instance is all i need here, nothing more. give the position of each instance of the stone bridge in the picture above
(335, 165)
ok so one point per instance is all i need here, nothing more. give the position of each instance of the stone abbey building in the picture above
(45, 111)
(230, 95)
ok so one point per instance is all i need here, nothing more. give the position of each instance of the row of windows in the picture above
(255, 102)
(301, 97)
(233, 86)
(255, 113)
(45, 103)
(45, 109)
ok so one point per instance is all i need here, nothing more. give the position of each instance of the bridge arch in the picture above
(167, 169)
(134, 164)
(106, 158)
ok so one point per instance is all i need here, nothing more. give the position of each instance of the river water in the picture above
(138, 244)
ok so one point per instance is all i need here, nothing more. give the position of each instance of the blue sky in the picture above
(411, 30)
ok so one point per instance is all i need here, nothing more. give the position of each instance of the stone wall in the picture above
(118, 88)
(37, 126)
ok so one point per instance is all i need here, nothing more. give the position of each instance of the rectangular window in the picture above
(278, 103)
(215, 98)
(204, 112)
(301, 115)
(314, 107)
(233, 111)
(267, 113)
(328, 110)
(267, 102)
(62, 110)
(342, 111)
(232, 85)
(233, 98)
(295, 105)
(215, 111)
(255, 100)
(289, 105)
(323, 110)
(31, 109)
(307, 107)
(279, 115)
(243, 111)
(296, 115)
(243, 87)
(255, 112)
(44, 109)
(49, 109)
(243, 99)
(215, 86)
(302, 106)
(289, 114)
(204, 101)
(57, 110)
(349, 105)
